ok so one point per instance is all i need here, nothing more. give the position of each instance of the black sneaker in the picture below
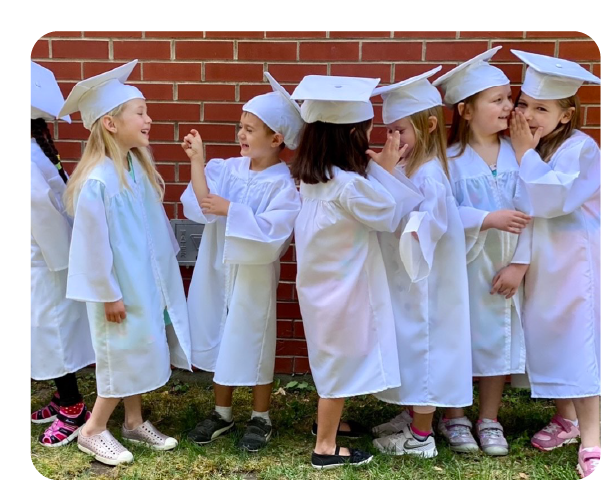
(356, 430)
(356, 458)
(256, 436)
(210, 428)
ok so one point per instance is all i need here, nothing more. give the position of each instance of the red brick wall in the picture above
(202, 79)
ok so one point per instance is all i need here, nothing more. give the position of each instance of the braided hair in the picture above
(39, 131)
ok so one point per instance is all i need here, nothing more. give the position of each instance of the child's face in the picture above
(133, 125)
(491, 111)
(407, 132)
(255, 140)
(542, 113)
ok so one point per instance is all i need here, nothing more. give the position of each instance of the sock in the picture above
(263, 415)
(225, 412)
(419, 435)
(487, 420)
(573, 422)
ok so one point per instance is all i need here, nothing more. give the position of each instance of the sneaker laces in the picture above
(552, 427)
(491, 433)
(458, 431)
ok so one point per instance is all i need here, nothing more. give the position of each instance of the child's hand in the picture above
(522, 139)
(215, 205)
(391, 153)
(192, 145)
(510, 221)
(115, 311)
(508, 279)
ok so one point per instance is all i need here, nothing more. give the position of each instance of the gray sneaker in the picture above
(393, 426)
(458, 433)
(491, 438)
(404, 443)
(148, 435)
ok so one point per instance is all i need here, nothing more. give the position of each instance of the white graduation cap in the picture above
(471, 77)
(278, 111)
(46, 96)
(550, 78)
(95, 96)
(332, 99)
(409, 96)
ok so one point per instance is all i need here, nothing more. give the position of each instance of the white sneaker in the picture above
(405, 443)
(396, 425)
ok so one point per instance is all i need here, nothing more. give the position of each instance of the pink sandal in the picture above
(48, 413)
(66, 427)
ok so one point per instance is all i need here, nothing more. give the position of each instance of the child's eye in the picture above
(542, 109)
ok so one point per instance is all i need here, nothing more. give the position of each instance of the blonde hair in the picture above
(101, 143)
(549, 144)
(427, 144)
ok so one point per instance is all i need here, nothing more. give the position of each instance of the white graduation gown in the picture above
(561, 310)
(429, 290)
(60, 333)
(232, 296)
(498, 345)
(341, 281)
(124, 248)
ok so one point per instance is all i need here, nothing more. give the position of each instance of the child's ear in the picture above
(567, 115)
(432, 123)
(464, 110)
(108, 122)
(278, 139)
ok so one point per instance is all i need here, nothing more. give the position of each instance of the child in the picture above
(559, 186)
(249, 205)
(341, 280)
(60, 333)
(122, 263)
(428, 280)
(483, 173)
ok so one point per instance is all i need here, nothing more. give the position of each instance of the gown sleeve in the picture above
(49, 227)
(381, 200)
(91, 275)
(523, 250)
(429, 222)
(551, 191)
(192, 211)
(472, 220)
(255, 239)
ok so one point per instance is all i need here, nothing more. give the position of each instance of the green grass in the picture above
(175, 409)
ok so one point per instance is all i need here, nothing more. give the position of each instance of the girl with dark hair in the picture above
(60, 335)
(342, 290)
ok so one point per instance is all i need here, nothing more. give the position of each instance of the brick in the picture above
(162, 131)
(64, 70)
(233, 72)
(543, 48)
(222, 151)
(69, 150)
(183, 174)
(373, 70)
(168, 152)
(596, 69)
(283, 365)
(556, 35)
(592, 116)
(174, 34)
(173, 192)
(235, 34)
(72, 131)
(595, 133)
(334, 51)
(113, 35)
(69, 166)
(391, 51)
(424, 34)
(80, 49)
(288, 310)
(210, 132)
(285, 291)
(222, 112)
(360, 34)
(286, 72)
(40, 49)
(170, 212)
(378, 134)
(299, 329)
(172, 71)
(179, 112)
(301, 365)
(291, 347)
(512, 34)
(589, 94)
(249, 91)
(286, 155)
(284, 329)
(460, 51)
(144, 50)
(295, 34)
(167, 171)
(203, 50)
(579, 51)
(513, 71)
(288, 271)
(289, 255)
(63, 34)
(403, 71)
(91, 69)
(180, 211)
(206, 92)
(267, 51)
(156, 91)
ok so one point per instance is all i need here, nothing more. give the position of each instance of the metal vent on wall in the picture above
(188, 235)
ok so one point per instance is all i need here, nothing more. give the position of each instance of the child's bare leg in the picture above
(491, 391)
(422, 420)
(102, 411)
(587, 410)
(329, 411)
(453, 413)
(133, 411)
(223, 395)
(262, 397)
(566, 409)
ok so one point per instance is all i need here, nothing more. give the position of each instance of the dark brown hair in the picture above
(327, 145)
(41, 134)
